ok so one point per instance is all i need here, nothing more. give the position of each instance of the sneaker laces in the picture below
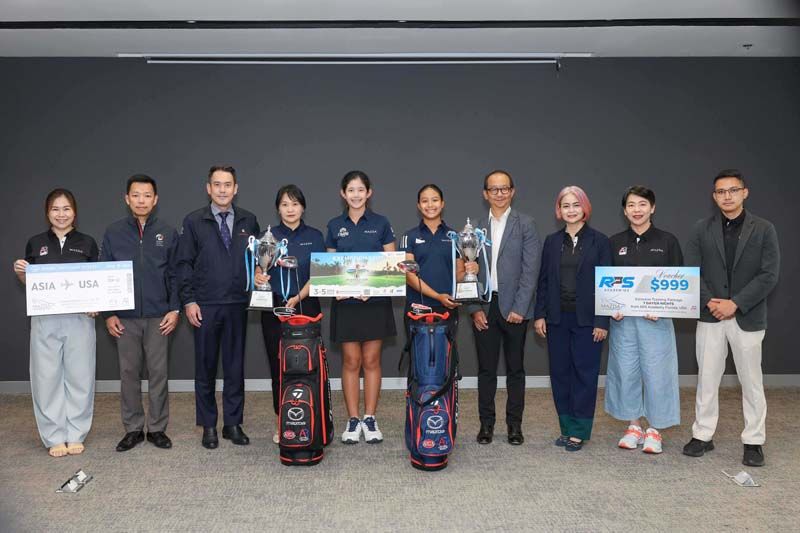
(352, 425)
(371, 423)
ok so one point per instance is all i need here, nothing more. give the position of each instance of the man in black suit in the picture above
(739, 259)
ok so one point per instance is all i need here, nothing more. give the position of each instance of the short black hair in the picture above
(639, 190)
(497, 171)
(141, 178)
(430, 186)
(356, 175)
(730, 173)
(293, 192)
(222, 168)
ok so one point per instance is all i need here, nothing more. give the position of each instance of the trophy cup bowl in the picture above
(469, 244)
(266, 253)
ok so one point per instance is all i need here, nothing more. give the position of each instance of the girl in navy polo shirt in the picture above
(360, 324)
(62, 346)
(428, 245)
(288, 289)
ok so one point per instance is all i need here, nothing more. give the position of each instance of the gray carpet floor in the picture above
(497, 487)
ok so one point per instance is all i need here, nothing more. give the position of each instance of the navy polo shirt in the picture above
(434, 253)
(300, 243)
(369, 234)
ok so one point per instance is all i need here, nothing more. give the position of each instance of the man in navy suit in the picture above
(514, 257)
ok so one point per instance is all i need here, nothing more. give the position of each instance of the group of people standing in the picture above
(200, 271)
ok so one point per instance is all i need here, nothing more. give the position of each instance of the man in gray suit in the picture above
(739, 259)
(514, 256)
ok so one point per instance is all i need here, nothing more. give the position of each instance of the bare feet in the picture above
(59, 450)
(75, 448)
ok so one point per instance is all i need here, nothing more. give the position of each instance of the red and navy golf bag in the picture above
(306, 419)
(432, 394)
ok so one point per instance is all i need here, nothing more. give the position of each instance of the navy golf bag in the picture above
(306, 419)
(432, 394)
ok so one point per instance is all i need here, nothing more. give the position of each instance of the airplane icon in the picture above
(66, 284)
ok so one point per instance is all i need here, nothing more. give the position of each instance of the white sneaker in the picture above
(352, 434)
(372, 434)
(652, 441)
(632, 438)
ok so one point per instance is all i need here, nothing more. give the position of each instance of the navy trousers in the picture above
(223, 329)
(574, 366)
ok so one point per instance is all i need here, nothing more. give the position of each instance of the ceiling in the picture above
(454, 28)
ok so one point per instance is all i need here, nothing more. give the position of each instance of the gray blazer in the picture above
(755, 268)
(517, 265)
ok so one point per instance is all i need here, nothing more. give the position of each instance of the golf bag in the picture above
(432, 394)
(306, 419)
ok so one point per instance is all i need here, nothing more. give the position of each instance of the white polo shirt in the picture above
(496, 228)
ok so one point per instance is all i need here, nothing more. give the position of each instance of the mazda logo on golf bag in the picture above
(295, 414)
(435, 422)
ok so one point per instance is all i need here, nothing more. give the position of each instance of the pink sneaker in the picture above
(632, 438)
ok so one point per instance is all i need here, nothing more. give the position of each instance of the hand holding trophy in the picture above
(469, 243)
(266, 252)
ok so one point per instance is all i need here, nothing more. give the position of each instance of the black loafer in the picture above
(130, 440)
(210, 439)
(753, 455)
(515, 434)
(485, 434)
(159, 439)
(235, 435)
(697, 447)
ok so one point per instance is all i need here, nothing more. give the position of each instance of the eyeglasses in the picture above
(496, 191)
(733, 191)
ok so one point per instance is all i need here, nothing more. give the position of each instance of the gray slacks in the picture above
(140, 345)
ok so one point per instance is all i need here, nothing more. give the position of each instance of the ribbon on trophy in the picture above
(264, 252)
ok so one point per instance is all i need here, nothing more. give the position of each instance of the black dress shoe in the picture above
(130, 440)
(485, 434)
(210, 439)
(515, 434)
(753, 455)
(235, 435)
(697, 447)
(159, 439)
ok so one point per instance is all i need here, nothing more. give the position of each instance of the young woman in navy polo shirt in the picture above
(428, 245)
(360, 324)
(62, 346)
(288, 289)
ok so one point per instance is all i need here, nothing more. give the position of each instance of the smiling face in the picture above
(571, 209)
(290, 210)
(729, 195)
(638, 211)
(222, 188)
(430, 204)
(498, 192)
(141, 198)
(356, 194)
(61, 214)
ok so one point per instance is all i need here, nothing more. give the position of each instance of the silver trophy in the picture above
(469, 243)
(267, 251)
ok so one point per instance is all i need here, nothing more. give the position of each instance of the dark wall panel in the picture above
(602, 124)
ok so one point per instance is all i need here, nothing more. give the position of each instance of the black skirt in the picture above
(356, 321)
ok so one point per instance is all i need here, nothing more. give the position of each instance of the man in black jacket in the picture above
(142, 333)
(739, 260)
(212, 288)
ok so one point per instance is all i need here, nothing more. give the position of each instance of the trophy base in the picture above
(260, 301)
(468, 292)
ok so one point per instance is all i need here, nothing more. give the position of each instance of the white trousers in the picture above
(712, 341)
(62, 376)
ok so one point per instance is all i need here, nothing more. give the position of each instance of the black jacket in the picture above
(595, 251)
(153, 256)
(207, 272)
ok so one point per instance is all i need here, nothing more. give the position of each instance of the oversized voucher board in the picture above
(669, 292)
(357, 274)
(79, 287)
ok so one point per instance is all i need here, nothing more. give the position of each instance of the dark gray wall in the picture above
(603, 124)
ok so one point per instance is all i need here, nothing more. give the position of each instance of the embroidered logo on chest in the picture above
(623, 250)
(159, 239)
(419, 241)
(43, 250)
(343, 233)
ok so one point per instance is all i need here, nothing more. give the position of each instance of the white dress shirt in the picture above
(496, 228)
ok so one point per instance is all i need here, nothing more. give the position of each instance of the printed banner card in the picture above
(79, 287)
(668, 292)
(357, 274)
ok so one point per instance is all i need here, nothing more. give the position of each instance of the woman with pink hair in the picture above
(564, 315)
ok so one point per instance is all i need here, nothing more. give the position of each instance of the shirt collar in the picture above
(66, 235)
(580, 231)
(644, 236)
(216, 210)
(734, 221)
(366, 216)
(424, 227)
(289, 230)
(503, 217)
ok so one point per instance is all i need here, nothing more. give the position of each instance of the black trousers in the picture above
(222, 329)
(487, 343)
(271, 329)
